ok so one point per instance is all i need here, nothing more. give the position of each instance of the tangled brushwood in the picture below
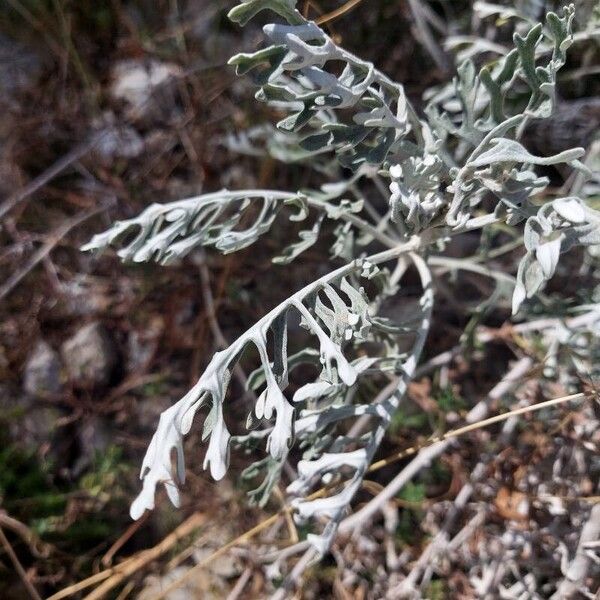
(461, 166)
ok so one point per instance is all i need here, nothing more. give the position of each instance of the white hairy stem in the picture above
(468, 265)
(578, 569)
(391, 405)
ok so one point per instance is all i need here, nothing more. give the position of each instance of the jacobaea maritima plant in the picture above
(458, 167)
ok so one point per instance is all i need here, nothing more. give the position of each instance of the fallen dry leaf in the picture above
(512, 505)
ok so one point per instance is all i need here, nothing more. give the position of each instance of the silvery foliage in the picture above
(440, 170)
(165, 233)
(481, 114)
(515, 188)
(558, 226)
(573, 349)
(267, 140)
(522, 15)
(332, 328)
(292, 73)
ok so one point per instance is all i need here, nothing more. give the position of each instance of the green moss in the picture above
(437, 474)
(105, 474)
(75, 516)
(408, 531)
(448, 401)
(22, 475)
(408, 419)
(154, 388)
(437, 590)
(412, 492)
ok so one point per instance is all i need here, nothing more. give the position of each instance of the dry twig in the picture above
(115, 575)
(49, 174)
(52, 240)
(18, 567)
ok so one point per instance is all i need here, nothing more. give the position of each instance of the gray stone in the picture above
(147, 412)
(94, 439)
(146, 87)
(141, 345)
(27, 421)
(118, 142)
(90, 356)
(85, 296)
(42, 371)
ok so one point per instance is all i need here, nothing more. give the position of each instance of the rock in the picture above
(142, 345)
(142, 85)
(27, 421)
(42, 371)
(94, 440)
(573, 123)
(147, 412)
(38, 429)
(90, 356)
(227, 567)
(86, 296)
(11, 175)
(118, 142)
(139, 351)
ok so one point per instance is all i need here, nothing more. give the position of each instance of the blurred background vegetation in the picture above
(107, 106)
